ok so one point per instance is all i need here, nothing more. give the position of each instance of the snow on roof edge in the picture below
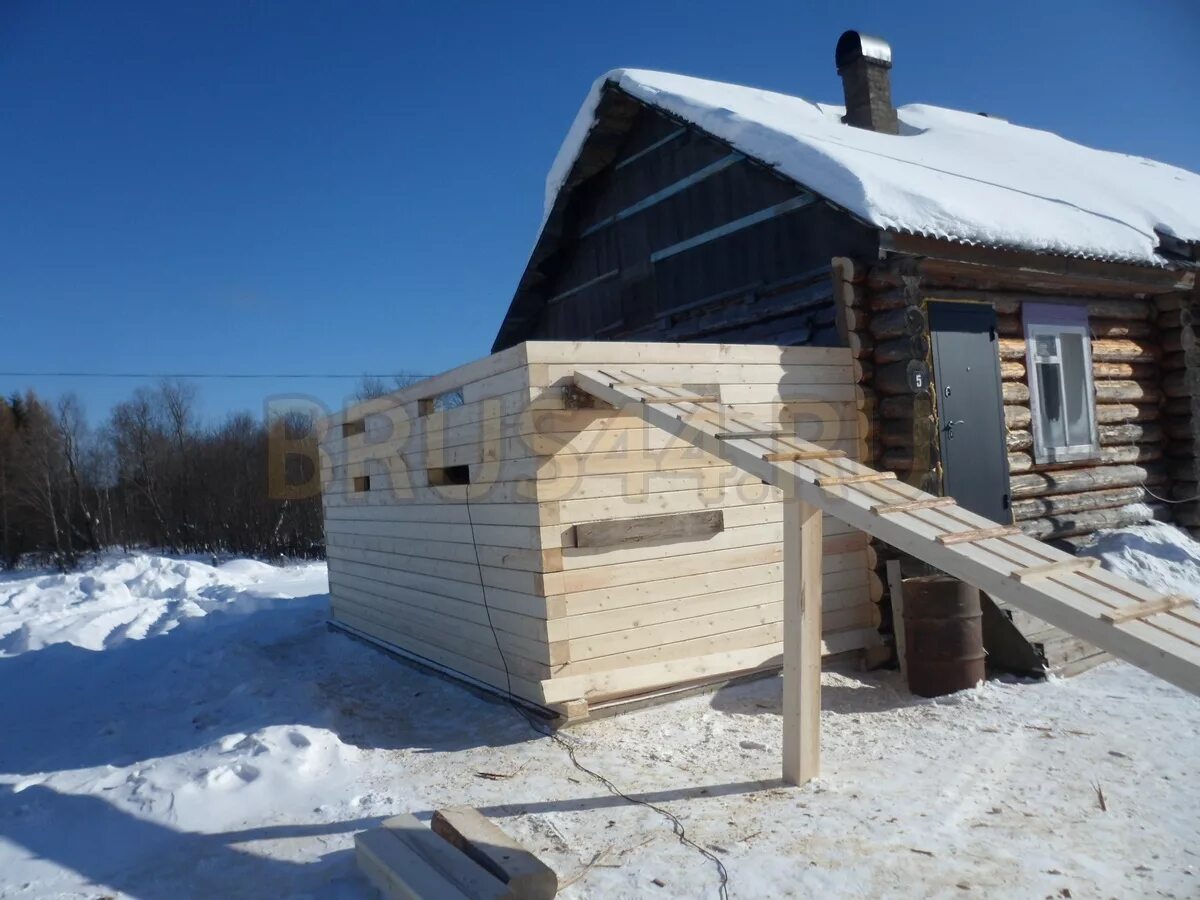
(959, 177)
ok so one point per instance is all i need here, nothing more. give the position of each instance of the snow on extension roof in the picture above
(949, 174)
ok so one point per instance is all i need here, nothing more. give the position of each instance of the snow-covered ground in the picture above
(169, 729)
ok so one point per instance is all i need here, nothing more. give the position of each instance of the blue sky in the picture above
(308, 187)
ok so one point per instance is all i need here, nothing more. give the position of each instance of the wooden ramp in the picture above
(1156, 633)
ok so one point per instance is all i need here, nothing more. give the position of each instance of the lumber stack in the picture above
(462, 856)
(613, 558)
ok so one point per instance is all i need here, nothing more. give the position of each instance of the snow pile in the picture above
(121, 599)
(234, 746)
(1157, 555)
(949, 174)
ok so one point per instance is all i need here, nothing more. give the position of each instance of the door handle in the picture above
(949, 426)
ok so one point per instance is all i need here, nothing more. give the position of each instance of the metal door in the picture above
(966, 365)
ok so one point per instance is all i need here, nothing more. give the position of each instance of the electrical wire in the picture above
(1165, 500)
(546, 731)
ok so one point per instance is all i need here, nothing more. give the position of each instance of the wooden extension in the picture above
(884, 509)
(1142, 610)
(1013, 570)
(866, 478)
(979, 534)
(1050, 569)
(793, 455)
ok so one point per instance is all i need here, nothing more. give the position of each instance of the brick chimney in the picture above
(865, 63)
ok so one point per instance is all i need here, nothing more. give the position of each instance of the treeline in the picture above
(153, 476)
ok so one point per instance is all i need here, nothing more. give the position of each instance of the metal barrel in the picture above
(943, 635)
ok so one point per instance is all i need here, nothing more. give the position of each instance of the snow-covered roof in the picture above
(949, 174)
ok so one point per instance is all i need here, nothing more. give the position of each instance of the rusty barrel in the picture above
(943, 635)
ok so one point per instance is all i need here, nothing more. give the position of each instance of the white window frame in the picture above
(1053, 320)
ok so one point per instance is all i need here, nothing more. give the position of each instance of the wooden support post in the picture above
(801, 641)
(896, 591)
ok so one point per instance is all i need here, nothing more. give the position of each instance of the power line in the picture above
(203, 375)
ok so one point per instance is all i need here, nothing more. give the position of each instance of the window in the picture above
(1058, 352)
(449, 475)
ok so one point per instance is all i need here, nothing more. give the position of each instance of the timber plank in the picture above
(479, 838)
(649, 529)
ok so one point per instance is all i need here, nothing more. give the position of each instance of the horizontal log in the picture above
(1125, 350)
(1018, 440)
(1097, 308)
(1131, 433)
(900, 378)
(1069, 481)
(1023, 462)
(904, 432)
(1184, 471)
(1015, 392)
(1119, 328)
(1182, 384)
(1011, 348)
(1117, 413)
(1181, 429)
(1012, 370)
(1174, 362)
(1110, 435)
(1074, 524)
(1017, 417)
(860, 343)
(1106, 350)
(1119, 391)
(902, 349)
(1176, 341)
(1137, 371)
(1059, 504)
(1166, 302)
(905, 406)
(1177, 406)
(886, 296)
(863, 371)
(908, 320)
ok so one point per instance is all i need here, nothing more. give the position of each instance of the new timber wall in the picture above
(613, 559)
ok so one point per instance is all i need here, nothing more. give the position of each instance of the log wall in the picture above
(1145, 364)
(1177, 315)
(601, 575)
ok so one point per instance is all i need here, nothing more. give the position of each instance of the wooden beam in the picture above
(895, 581)
(404, 859)
(884, 509)
(1050, 569)
(801, 642)
(649, 529)
(744, 435)
(699, 399)
(480, 839)
(865, 478)
(1149, 608)
(793, 455)
(979, 534)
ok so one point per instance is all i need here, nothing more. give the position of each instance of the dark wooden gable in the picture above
(666, 233)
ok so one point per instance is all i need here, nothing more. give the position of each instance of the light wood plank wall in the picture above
(410, 560)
